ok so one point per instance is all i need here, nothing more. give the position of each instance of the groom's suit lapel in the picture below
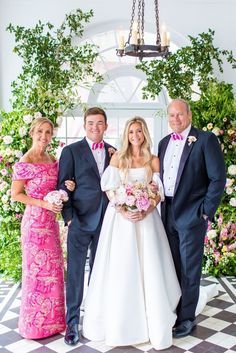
(185, 154)
(89, 156)
(107, 157)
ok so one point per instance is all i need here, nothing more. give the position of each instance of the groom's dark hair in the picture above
(95, 111)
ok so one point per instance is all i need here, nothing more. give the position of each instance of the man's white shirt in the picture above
(99, 156)
(172, 158)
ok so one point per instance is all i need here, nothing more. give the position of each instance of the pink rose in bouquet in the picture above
(57, 197)
(134, 197)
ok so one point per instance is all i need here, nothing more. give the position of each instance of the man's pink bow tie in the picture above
(176, 136)
(96, 145)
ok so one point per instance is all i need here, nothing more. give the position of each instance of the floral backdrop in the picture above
(53, 69)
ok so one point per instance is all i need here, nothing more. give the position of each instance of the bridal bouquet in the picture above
(57, 197)
(134, 197)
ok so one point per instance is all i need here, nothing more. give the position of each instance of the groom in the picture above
(83, 162)
(193, 174)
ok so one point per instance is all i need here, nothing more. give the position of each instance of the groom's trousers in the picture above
(78, 243)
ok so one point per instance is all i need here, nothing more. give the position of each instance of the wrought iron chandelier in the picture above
(135, 45)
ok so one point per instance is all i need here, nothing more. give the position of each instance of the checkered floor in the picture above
(215, 332)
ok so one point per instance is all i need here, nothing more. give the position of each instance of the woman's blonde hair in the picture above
(125, 153)
(38, 122)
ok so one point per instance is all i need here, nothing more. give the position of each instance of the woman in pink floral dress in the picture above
(42, 311)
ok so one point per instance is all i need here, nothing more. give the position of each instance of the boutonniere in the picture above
(191, 139)
(111, 151)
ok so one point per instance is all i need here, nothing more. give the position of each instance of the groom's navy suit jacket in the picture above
(87, 203)
(200, 180)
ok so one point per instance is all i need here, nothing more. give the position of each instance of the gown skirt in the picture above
(133, 290)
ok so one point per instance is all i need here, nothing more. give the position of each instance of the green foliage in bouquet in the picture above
(54, 68)
(190, 74)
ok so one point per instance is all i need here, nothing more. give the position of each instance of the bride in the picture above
(133, 290)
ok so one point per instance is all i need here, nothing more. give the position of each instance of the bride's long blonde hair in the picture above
(125, 153)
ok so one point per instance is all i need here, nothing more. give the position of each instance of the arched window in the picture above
(120, 95)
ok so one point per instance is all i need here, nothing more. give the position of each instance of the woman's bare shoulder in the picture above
(26, 158)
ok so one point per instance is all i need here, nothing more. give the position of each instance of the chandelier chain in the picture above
(132, 20)
(158, 40)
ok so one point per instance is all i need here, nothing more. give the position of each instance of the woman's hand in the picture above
(51, 206)
(70, 184)
(133, 216)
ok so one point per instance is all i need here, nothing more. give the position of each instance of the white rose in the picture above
(18, 154)
(216, 131)
(4, 199)
(229, 182)
(229, 190)
(27, 119)
(37, 115)
(212, 234)
(7, 139)
(232, 201)
(8, 193)
(4, 172)
(232, 169)
(5, 208)
(59, 120)
(3, 185)
(8, 152)
(22, 131)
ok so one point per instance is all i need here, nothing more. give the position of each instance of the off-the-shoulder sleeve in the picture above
(110, 179)
(23, 171)
(157, 180)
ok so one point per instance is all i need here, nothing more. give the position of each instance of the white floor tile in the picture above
(215, 324)
(23, 346)
(222, 339)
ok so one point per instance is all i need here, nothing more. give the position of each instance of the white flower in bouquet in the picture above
(57, 197)
(135, 197)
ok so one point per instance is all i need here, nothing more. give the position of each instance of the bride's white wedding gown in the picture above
(133, 289)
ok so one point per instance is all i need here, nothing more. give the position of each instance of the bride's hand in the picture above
(133, 216)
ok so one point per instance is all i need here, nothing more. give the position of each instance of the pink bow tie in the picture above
(175, 136)
(96, 145)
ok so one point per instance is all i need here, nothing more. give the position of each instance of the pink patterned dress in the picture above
(42, 311)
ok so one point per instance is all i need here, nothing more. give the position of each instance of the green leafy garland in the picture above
(53, 70)
(189, 74)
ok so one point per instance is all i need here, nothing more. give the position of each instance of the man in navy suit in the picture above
(193, 173)
(83, 162)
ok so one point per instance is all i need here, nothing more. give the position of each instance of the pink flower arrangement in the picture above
(220, 248)
(56, 196)
(134, 197)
